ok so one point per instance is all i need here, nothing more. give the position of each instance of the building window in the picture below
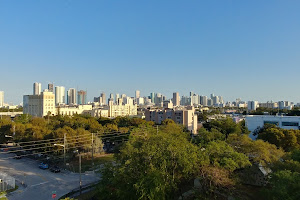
(272, 122)
(290, 124)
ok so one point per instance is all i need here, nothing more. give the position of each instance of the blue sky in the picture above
(247, 49)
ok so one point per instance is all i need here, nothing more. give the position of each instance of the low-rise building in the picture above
(185, 116)
(72, 110)
(254, 122)
(39, 105)
(122, 110)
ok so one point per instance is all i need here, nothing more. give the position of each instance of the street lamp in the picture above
(80, 183)
(64, 146)
(61, 145)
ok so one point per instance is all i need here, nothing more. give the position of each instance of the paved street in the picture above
(40, 183)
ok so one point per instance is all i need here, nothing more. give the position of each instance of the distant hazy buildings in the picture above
(82, 97)
(103, 96)
(50, 87)
(37, 88)
(176, 100)
(137, 94)
(71, 96)
(1, 99)
(252, 105)
(60, 95)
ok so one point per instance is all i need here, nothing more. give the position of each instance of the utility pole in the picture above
(79, 171)
(65, 142)
(93, 150)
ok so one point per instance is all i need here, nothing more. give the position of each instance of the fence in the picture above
(6, 182)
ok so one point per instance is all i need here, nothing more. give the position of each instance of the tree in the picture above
(284, 185)
(286, 139)
(257, 151)
(204, 136)
(223, 155)
(226, 126)
(151, 165)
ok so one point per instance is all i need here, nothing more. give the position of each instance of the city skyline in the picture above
(246, 50)
(169, 95)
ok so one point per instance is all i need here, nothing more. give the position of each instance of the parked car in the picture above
(55, 169)
(43, 165)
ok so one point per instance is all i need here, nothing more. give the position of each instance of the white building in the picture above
(140, 101)
(252, 105)
(71, 96)
(37, 88)
(258, 121)
(122, 110)
(72, 110)
(137, 94)
(1, 99)
(39, 105)
(60, 95)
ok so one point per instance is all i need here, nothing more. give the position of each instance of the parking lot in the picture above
(36, 184)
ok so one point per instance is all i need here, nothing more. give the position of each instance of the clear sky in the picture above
(248, 49)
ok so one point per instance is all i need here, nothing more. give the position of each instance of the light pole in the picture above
(61, 145)
(80, 183)
(93, 150)
(64, 146)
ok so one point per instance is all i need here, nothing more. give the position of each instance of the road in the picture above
(39, 184)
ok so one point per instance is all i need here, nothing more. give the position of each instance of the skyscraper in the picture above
(111, 96)
(176, 100)
(152, 97)
(82, 97)
(252, 105)
(71, 96)
(60, 95)
(1, 99)
(37, 88)
(103, 98)
(137, 94)
(50, 87)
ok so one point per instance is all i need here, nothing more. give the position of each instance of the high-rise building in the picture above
(137, 94)
(111, 96)
(152, 97)
(203, 100)
(50, 87)
(71, 96)
(1, 99)
(209, 102)
(176, 100)
(195, 99)
(252, 105)
(185, 101)
(103, 98)
(117, 98)
(60, 95)
(82, 97)
(37, 88)
(215, 100)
